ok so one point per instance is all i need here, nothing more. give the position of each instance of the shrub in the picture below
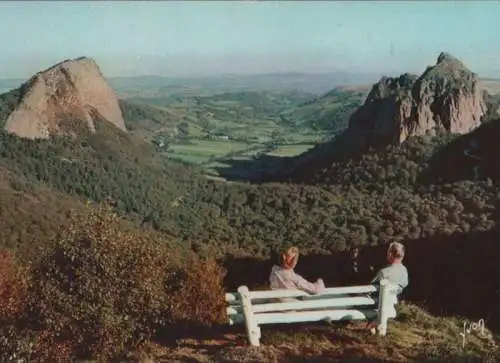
(198, 294)
(13, 286)
(99, 291)
(13, 291)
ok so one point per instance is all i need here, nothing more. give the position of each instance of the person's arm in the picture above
(405, 279)
(375, 280)
(304, 285)
(403, 282)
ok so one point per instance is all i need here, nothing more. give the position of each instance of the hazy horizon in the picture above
(195, 39)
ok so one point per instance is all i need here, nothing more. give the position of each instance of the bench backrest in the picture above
(271, 306)
(254, 308)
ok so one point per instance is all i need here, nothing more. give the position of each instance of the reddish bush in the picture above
(198, 294)
(100, 291)
(13, 292)
(12, 288)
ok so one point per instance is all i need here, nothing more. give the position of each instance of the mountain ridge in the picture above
(62, 99)
(446, 97)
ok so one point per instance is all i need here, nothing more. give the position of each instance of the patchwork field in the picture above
(239, 132)
(202, 151)
(291, 150)
(207, 147)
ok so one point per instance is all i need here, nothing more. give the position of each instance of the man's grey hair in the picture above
(396, 249)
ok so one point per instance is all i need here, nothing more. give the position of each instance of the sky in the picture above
(132, 38)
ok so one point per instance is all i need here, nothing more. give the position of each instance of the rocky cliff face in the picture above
(62, 99)
(446, 97)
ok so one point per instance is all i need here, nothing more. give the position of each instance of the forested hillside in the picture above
(329, 112)
(370, 200)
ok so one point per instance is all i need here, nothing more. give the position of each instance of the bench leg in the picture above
(382, 328)
(252, 327)
(384, 306)
(254, 336)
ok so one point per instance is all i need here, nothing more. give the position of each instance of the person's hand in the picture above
(320, 283)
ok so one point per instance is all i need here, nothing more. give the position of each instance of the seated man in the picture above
(284, 276)
(396, 273)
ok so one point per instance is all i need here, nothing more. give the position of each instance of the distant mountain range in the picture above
(310, 83)
(157, 86)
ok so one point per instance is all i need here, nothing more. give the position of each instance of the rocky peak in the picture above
(447, 58)
(392, 87)
(447, 96)
(62, 99)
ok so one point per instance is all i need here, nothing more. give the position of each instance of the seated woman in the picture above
(284, 276)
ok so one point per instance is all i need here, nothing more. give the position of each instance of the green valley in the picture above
(218, 130)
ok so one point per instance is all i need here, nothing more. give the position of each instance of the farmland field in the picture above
(190, 158)
(239, 131)
(208, 147)
(203, 151)
(291, 150)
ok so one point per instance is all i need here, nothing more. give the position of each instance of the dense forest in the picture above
(365, 201)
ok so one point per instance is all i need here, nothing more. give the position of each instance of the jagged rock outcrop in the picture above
(447, 96)
(62, 99)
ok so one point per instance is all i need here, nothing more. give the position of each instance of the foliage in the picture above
(330, 112)
(8, 102)
(199, 295)
(14, 291)
(99, 291)
(140, 116)
(367, 200)
(13, 288)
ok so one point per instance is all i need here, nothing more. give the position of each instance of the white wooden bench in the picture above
(255, 308)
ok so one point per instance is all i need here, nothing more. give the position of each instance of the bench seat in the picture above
(256, 308)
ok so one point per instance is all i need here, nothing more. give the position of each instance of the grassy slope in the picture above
(330, 111)
(415, 336)
(20, 207)
(147, 120)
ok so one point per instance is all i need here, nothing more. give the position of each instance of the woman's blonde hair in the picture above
(289, 257)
